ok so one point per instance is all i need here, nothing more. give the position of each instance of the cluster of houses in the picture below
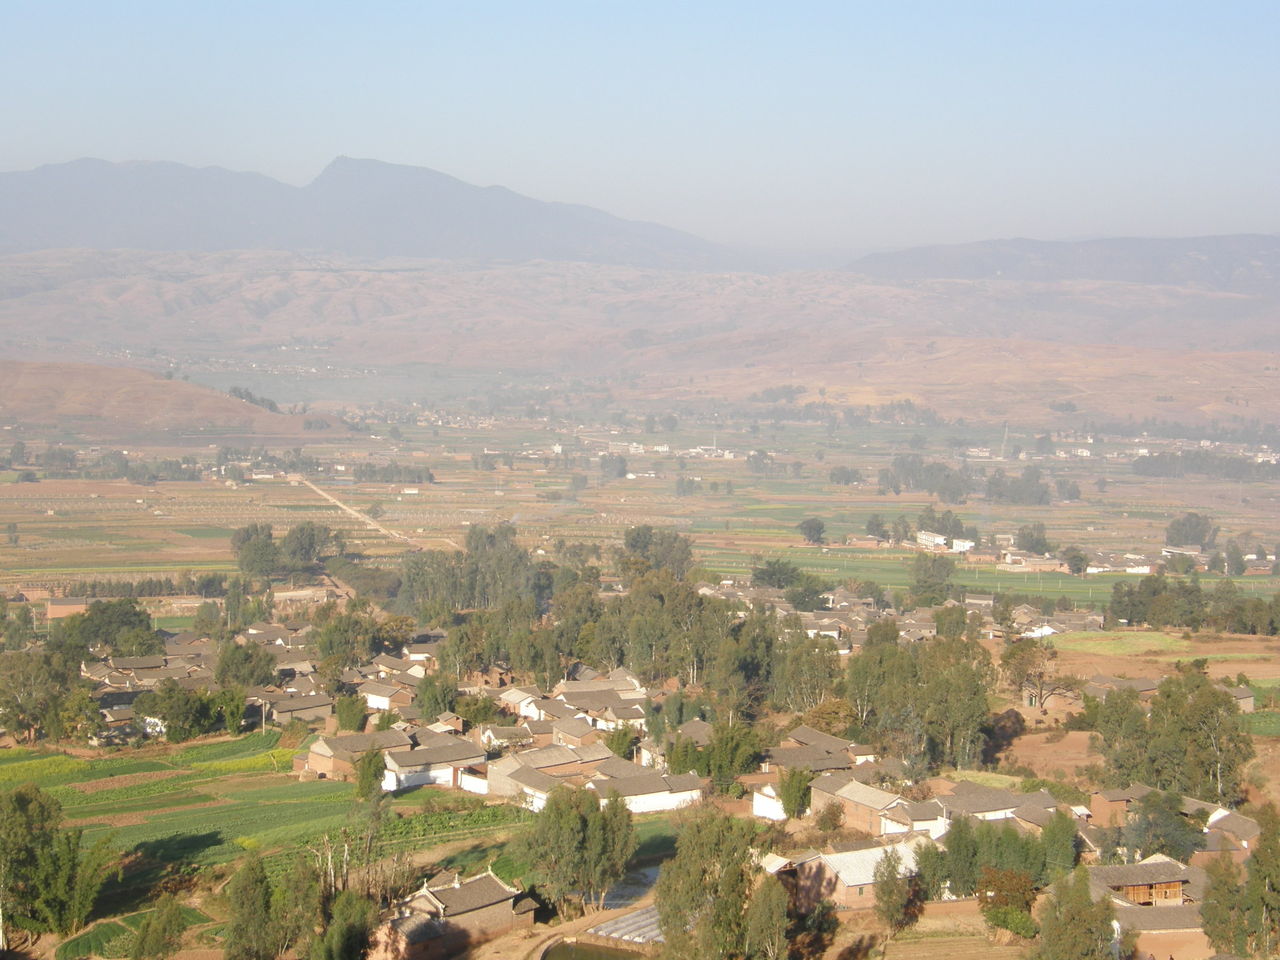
(1100, 685)
(1157, 898)
(542, 741)
(553, 739)
(848, 617)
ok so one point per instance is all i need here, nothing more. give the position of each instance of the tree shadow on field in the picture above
(165, 864)
(1001, 731)
(860, 949)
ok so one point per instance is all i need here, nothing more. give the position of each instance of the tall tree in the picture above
(1262, 887)
(351, 924)
(766, 933)
(1031, 667)
(29, 821)
(611, 841)
(1061, 847)
(351, 712)
(296, 908)
(962, 857)
(436, 695)
(703, 891)
(247, 666)
(1072, 925)
(1159, 826)
(793, 791)
(70, 878)
(1223, 911)
(248, 931)
(894, 894)
(812, 529)
(579, 850)
(160, 935)
(370, 767)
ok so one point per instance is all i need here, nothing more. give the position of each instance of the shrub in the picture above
(1011, 919)
(830, 818)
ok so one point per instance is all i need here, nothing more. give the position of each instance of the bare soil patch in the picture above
(1052, 755)
(137, 817)
(125, 780)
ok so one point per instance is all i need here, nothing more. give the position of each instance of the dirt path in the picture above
(529, 944)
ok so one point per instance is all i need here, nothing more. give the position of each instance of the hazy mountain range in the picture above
(360, 208)
(376, 266)
(376, 210)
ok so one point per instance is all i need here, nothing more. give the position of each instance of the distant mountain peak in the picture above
(355, 206)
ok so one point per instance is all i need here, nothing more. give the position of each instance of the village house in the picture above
(1159, 900)
(530, 775)
(1101, 684)
(816, 751)
(649, 792)
(864, 807)
(384, 697)
(439, 759)
(847, 879)
(334, 758)
(306, 709)
(448, 915)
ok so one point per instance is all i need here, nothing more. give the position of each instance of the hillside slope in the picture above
(973, 348)
(105, 401)
(1240, 262)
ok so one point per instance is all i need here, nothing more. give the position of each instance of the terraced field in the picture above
(176, 811)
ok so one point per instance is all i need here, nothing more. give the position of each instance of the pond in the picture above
(588, 951)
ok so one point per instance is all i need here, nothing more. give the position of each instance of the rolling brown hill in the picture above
(95, 400)
(980, 348)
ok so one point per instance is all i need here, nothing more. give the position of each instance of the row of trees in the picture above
(713, 899)
(1162, 601)
(272, 920)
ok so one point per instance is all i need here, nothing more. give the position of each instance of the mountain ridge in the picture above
(355, 207)
(1244, 261)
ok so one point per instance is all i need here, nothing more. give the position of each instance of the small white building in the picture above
(439, 760)
(652, 792)
(766, 804)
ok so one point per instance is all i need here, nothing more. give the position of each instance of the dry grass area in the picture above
(974, 947)
(1053, 755)
(102, 401)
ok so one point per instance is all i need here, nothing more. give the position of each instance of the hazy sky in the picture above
(807, 126)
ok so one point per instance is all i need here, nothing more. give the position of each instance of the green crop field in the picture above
(206, 803)
(1263, 723)
(1122, 644)
(110, 938)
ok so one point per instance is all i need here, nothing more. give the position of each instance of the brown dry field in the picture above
(1051, 755)
(1257, 657)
